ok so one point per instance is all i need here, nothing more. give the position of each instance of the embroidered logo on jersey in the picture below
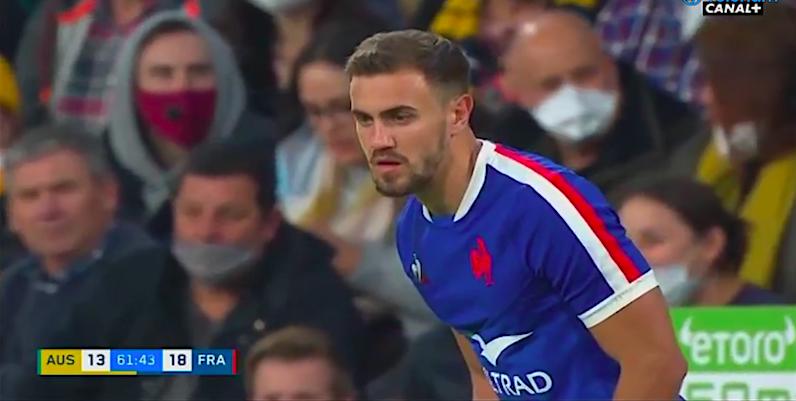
(491, 351)
(417, 270)
(481, 262)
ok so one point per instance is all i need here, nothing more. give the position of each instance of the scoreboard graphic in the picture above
(131, 362)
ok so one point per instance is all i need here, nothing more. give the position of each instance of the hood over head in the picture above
(126, 137)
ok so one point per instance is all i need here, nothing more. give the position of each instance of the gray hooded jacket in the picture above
(125, 135)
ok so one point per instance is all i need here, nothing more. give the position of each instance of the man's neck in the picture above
(57, 264)
(445, 192)
(215, 303)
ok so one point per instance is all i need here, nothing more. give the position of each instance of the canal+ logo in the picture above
(730, 7)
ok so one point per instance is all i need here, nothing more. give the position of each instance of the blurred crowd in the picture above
(186, 174)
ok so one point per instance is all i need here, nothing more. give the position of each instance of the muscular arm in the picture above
(641, 338)
(482, 390)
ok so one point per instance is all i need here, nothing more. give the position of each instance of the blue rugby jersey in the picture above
(533, 258)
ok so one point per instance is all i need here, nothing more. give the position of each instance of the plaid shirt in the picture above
(647, 34)
(86, 98)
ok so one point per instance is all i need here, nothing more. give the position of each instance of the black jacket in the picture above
(32, 304)
(294, 284)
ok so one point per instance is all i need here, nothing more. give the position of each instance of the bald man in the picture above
(586, 111)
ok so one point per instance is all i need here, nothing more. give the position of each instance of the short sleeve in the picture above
(580, 247)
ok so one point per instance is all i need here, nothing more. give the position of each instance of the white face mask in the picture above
(740, 142)
(212, 263)
(574, 114)
(677, 287)
(278, 6)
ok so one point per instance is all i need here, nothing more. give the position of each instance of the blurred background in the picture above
(186, 174)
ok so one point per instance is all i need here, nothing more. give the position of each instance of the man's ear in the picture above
(462, 109)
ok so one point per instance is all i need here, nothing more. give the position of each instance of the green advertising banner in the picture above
(738, 353)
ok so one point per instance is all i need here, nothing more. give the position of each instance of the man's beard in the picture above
(417, 182)
(419, 179)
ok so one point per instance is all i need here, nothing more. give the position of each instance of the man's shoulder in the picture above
(300, 273)
(299, 256)
(16, 273)
(516, 180)
(136, 269)
(535, 175)
(518, 164)
(531, 192)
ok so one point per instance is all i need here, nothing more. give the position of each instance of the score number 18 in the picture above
(177, 360)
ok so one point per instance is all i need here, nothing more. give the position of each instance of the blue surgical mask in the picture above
(677, 286)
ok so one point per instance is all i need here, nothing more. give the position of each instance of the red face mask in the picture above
(182, 117)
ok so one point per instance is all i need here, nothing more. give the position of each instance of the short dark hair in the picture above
(442, 62)
(297, 343)
(251, 158)
(699, 207)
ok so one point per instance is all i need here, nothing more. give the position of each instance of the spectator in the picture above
(296, 24)
(178, 87)
(751, 160)
(499, 19)
(693, 244)
(67, 56)
(655, 37)
(484, 29)
(498, 22)
(594, 116)
(62, 199)
(9, 130)
(327, 188)
(237, 272)
(296, 363)
(297, 21)
(268, 35)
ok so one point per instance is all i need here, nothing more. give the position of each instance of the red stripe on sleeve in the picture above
(595, 222)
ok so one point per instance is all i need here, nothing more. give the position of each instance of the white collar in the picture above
(476, 182)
